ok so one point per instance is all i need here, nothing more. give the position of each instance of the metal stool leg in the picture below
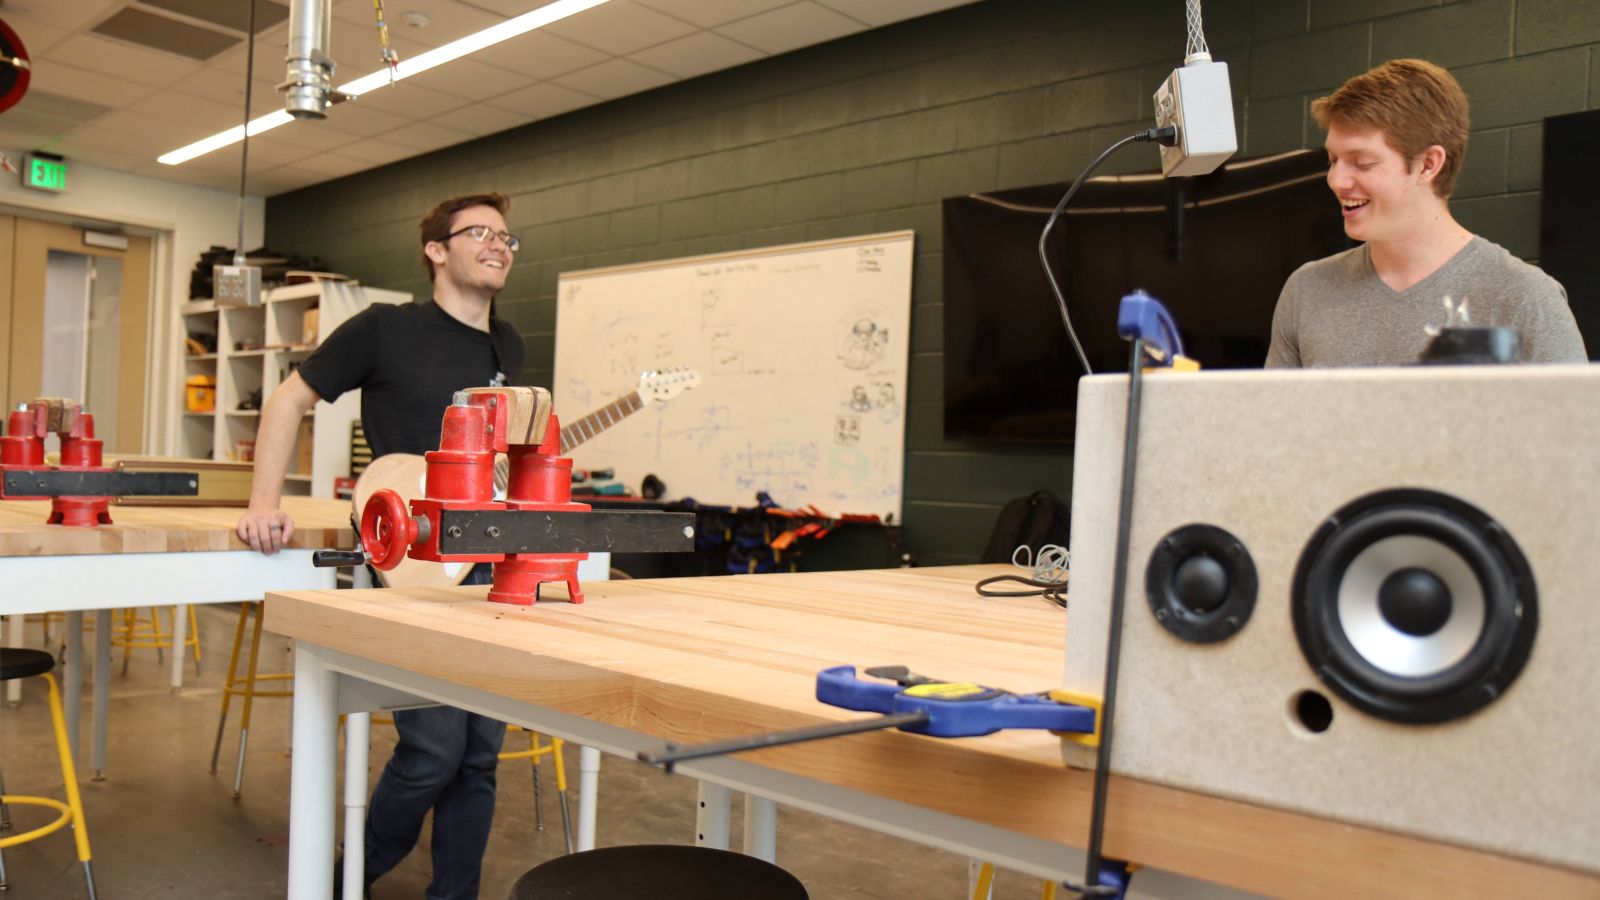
(561, 792)
(249, 698)
(69, 774)
(227, 683)
(193, 640)
(538, 783)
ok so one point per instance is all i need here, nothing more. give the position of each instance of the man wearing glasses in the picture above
(408, 361)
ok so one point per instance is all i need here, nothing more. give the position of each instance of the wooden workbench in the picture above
(695, 659)
(164, 529)
(150, 556)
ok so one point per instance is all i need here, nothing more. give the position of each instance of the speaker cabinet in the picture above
(1383, 582)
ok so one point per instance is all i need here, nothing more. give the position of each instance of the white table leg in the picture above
(588, 795)
(102, 694)
(74, 676)
(711, 816)
(312, 796)
(760, 828)
(180, 634)
(14, 686)
(357, 737)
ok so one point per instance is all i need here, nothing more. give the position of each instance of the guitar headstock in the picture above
(661, 385)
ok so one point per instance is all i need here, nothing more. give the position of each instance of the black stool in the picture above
(15, 663)
(657, 872)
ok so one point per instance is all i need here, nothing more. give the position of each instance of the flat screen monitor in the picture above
(1215, 250)
(1569, 229)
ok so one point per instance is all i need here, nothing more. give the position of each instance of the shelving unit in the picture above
(257, 348)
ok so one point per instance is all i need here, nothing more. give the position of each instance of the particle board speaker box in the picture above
(221, 483)
(1368, 594)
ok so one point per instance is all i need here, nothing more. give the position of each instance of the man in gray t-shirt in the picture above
(1396, 139)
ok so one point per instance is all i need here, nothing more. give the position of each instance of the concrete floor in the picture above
(162, 826)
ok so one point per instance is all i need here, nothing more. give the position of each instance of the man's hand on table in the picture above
(266, 530)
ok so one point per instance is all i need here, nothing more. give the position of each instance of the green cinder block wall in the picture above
(869, 132)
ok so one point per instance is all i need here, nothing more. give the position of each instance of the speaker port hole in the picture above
(1313, 711)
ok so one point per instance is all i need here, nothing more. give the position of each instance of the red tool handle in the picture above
(387, 529)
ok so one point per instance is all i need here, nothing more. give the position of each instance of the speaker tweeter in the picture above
(1201, 583)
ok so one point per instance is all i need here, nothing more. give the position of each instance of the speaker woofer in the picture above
(1201, 583)
(1414, 606)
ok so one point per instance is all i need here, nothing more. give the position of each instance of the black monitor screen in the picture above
(1215, 250)
(1569, 230)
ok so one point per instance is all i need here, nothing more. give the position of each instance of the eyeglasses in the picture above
(482, 233)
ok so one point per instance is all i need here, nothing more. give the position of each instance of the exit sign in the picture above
(44, 173)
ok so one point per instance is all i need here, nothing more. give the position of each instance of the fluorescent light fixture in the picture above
(225, 138)
(422, 62)
(472, 43)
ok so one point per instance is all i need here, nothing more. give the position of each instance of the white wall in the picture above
(184, 221)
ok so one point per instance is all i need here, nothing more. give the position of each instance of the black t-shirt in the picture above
(408, 360)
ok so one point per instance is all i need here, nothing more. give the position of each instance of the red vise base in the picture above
(22, 450)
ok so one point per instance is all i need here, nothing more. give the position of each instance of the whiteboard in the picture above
(802, 356)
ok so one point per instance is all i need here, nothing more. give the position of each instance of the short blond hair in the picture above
(1414, 103)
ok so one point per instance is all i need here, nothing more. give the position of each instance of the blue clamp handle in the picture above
(1142, 316)
(839, 686)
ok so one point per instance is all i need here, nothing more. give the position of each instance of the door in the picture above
(56, 282)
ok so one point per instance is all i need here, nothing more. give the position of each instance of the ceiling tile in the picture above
(169, 130)
(17, 139)
(447, 19)
(469, 79)
(208, 114)
(362, 120)
(68, 15)
(619, 27)
(329, 165)
(314, 136)
(144, 146)
(543, 100)
(228, 90)
(37, 37)
(355, 48)
(614, 78)
(81, 84)
(697, 54)
(424, 136)
(376, 153)
(122, 60)
(270, 49)
(409, 99)
(711, 13)
(539, 55)
(790, 27)
(479, 119)
(118, 161)
(882, 12)
(42, 111)
(165, 35)
(233, 15)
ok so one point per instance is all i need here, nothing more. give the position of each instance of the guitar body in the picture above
(405, 474)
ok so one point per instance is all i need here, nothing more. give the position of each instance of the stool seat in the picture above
(657, 872)
(19, 663)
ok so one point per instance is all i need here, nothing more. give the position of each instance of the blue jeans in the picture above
(445, 760)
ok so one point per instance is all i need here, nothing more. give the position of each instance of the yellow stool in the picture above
(245, 687)
(16, 663)
(536, 749)
(135, 632)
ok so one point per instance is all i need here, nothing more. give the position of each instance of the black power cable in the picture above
(1165, 136)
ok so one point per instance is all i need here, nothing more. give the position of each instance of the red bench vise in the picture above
(537, 535)
(80, 488)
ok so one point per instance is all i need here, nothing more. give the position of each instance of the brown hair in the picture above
(1415, 103)
(436, 224)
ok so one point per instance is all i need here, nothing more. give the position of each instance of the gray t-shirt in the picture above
(1338, 312)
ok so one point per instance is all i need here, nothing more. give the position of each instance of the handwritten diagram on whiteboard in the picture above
(802, 356)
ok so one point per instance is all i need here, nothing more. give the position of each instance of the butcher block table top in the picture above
(697, 659)
(164, 529)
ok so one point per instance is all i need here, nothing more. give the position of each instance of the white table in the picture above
(150, 556)
(702, 658)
